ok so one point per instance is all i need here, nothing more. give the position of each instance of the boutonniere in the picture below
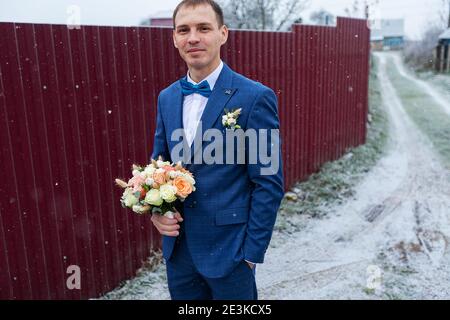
(229, 119)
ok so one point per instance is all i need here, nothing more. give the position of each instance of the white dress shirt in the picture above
(194, 105)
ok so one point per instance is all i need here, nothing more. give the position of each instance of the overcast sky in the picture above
(417, 13)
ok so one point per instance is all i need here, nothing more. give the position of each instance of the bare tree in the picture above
(446, 4)
(234, 12)
(444, 13)
(354, 11)
(419, 54)
(262, 14)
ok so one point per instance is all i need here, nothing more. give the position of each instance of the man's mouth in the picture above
(195, 50)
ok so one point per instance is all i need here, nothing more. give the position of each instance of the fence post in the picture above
(435, 58)
(437, 51)
(447, 58)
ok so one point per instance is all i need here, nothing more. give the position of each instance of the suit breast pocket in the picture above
(232, 216)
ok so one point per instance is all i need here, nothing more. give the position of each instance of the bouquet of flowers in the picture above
(155, 188)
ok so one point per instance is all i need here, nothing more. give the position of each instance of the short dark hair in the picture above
(194, 3)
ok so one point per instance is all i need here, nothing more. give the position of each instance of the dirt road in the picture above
(390, 241)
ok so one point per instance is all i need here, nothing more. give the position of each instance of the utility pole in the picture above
(367, 10)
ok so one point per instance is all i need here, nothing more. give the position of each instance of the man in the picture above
(224, 228)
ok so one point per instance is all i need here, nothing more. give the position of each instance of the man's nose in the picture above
(193, 37)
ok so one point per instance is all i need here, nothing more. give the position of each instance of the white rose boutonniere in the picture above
(229, 119)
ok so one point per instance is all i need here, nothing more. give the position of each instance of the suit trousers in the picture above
(186, 283)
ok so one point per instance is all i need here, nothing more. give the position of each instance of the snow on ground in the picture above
(389, 241)
(439, 81)
(393, 233)
(430, 90)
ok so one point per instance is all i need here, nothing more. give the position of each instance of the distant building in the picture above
(322, 17)
(387, 34)
(161, 19)
(442, 53)
(444, 38)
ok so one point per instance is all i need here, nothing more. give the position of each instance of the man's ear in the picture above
(224, 34)
(174, 42)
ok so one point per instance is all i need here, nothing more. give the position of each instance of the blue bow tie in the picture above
(201, 88)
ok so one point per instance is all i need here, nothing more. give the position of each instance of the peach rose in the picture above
(136, 182)
(155, 185)
(184, 188)
(159, 177)
(169, 168)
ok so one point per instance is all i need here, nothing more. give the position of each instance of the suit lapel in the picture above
(175, 117)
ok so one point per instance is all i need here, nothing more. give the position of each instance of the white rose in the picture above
(189, 178)
(160, 170)
(130, 200)
(149, 170)
(168, 193)
(153, 197)
(174, 174)
(136, 173)
(224, 120)
(126, 192)
(143, 175)
(231, 121)
(137, 209)
(161, 163)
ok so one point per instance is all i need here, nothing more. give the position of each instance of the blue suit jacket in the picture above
(231, 215)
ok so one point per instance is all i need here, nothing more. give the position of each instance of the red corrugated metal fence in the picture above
(77, 108)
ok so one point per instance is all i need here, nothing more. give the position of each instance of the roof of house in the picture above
(445, 35)
(376, 35)
(387, 28)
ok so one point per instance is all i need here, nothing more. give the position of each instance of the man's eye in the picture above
(182, 30)
(205, 28)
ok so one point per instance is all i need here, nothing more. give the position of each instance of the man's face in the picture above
(198, 36)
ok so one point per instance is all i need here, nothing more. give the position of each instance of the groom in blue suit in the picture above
(223, 229)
